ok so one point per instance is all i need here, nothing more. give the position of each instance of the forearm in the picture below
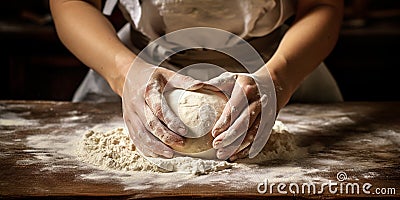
(305, 45)
(92, 39)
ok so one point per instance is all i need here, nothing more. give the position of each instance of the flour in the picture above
(13, 119)
(281, 145)
(113, 150)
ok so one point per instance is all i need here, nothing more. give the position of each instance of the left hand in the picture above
(153, 127)
(239, 123)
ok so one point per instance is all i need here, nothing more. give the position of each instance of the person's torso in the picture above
(245, 18)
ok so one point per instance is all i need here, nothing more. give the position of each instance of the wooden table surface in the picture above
(360, 139)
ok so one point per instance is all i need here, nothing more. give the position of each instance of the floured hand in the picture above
(152, 125)
(239, 123)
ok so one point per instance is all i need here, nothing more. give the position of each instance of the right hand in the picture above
(152, 125)
(238, 127)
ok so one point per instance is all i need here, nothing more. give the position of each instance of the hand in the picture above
(239, 124)
(151, 123)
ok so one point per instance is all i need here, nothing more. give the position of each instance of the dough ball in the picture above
(198, 110)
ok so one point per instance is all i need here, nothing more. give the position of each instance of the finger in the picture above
(223, 121)
(240, 126)
(144, 141)
(242, 154)
(156, 101)
(243, 142)
(244, 148)
(254, 109)
(251, 89)
(145, 150)
(154, 97)
(228, 151)
(236, 103)
(155, 126)
(158, 129)
(261, 138)
(244, 92)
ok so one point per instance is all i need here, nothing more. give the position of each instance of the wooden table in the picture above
(361, 139)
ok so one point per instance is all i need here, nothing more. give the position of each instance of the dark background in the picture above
(34, 65)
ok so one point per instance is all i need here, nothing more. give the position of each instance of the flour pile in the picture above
(113, 150)
(281, 145)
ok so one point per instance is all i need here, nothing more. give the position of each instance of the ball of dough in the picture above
(198, 110)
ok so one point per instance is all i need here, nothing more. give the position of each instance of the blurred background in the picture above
(34, 65)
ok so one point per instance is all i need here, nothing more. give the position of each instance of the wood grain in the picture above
(347, 131)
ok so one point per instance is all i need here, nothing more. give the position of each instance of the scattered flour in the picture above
(113, 150)
(53, 147)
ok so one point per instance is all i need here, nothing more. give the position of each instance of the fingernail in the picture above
(221, 155)
(217, 144)
(214, 132)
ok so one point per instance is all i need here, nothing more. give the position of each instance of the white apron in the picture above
(257, 21)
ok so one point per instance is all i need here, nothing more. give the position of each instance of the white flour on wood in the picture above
(198, 110)
(113, 150)
(50, 150)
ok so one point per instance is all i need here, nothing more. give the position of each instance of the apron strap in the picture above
(109, 6)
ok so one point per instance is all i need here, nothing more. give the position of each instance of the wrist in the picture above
(284, 86)
(282, 90)
(116, 77)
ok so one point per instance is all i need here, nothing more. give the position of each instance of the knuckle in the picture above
(158, 111)
(152, 124)
(250, 89)
(247, 89)
(149, 90)
(163, 135)
(172, 123)
(159, 133)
